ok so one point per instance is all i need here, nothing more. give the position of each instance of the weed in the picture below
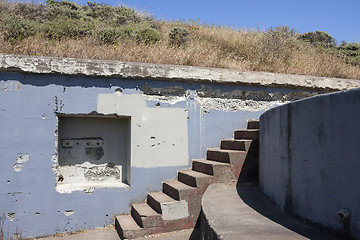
(178, 36)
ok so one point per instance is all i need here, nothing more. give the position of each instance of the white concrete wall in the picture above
(310, 159)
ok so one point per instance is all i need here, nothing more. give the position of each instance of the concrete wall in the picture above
(170, 123)
(310, 159)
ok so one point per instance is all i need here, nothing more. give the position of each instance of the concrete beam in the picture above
(117, 69)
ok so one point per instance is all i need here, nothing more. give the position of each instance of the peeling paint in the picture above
(68, 212)
(234, 104)
(22, 158)
(101, 173)
(11, 216)
(174, 210)
(18, 167)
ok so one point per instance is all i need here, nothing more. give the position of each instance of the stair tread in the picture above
(161, 197)
(144, 210)
(211, 162)
(194, 173)
(248, 130)
(178, 185)
(237, 140)
(127, 222)
(223, 150)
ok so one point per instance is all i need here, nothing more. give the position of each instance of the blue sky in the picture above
(341, 19)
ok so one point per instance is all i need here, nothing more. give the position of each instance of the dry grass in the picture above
(210, 46)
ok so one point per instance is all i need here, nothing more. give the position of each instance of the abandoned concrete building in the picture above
(87, 143)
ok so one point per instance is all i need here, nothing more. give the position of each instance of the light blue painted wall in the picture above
(25, 100)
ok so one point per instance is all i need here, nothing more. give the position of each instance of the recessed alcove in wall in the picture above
(93, 152)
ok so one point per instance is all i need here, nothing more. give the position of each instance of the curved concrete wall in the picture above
(310, 159)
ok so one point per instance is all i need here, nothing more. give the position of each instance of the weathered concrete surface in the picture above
(29, 106)
(108, 233)
(231, 212)
(97, 68)
(309, 159)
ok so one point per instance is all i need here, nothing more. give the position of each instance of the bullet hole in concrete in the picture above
(64, 89)
(158, 104)
(138, 145)
(37, 213)
(153, 145)
(158, 143)
(118, 90)
(173, 144)
(106, 215)
(188, 118)
(58, 211)
(152, 137)
(43, 116)
(8, 181)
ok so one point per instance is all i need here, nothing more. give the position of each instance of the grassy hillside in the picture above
(96, 31)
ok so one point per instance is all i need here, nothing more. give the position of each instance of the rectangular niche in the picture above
(93, 152)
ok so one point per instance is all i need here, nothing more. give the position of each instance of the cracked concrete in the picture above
(102, 68)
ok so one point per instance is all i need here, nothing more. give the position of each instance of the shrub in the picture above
(351, 52)
(319, 38)
(67, 27)
(178, 36)
(14, 28)
(147, 35)
(109, 35)
(126, 15)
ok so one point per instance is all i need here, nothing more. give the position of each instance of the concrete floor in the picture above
(109, 233)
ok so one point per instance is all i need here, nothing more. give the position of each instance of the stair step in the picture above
(208, 166)
(235, 144)
(224, 155)
(155, 199)
(253, 124)
(246, 134)
(177, 189)
(145, 216)
(192, 178)
(126, 226)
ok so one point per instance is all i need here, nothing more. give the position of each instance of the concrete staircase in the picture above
(178, 205)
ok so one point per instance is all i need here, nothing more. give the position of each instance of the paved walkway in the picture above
(244, 212)
(110, 233)
(233, 212)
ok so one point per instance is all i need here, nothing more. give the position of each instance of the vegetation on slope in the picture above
(98, 31)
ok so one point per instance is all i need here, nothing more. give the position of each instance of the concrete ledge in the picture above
(244, 212)
(102, 68)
